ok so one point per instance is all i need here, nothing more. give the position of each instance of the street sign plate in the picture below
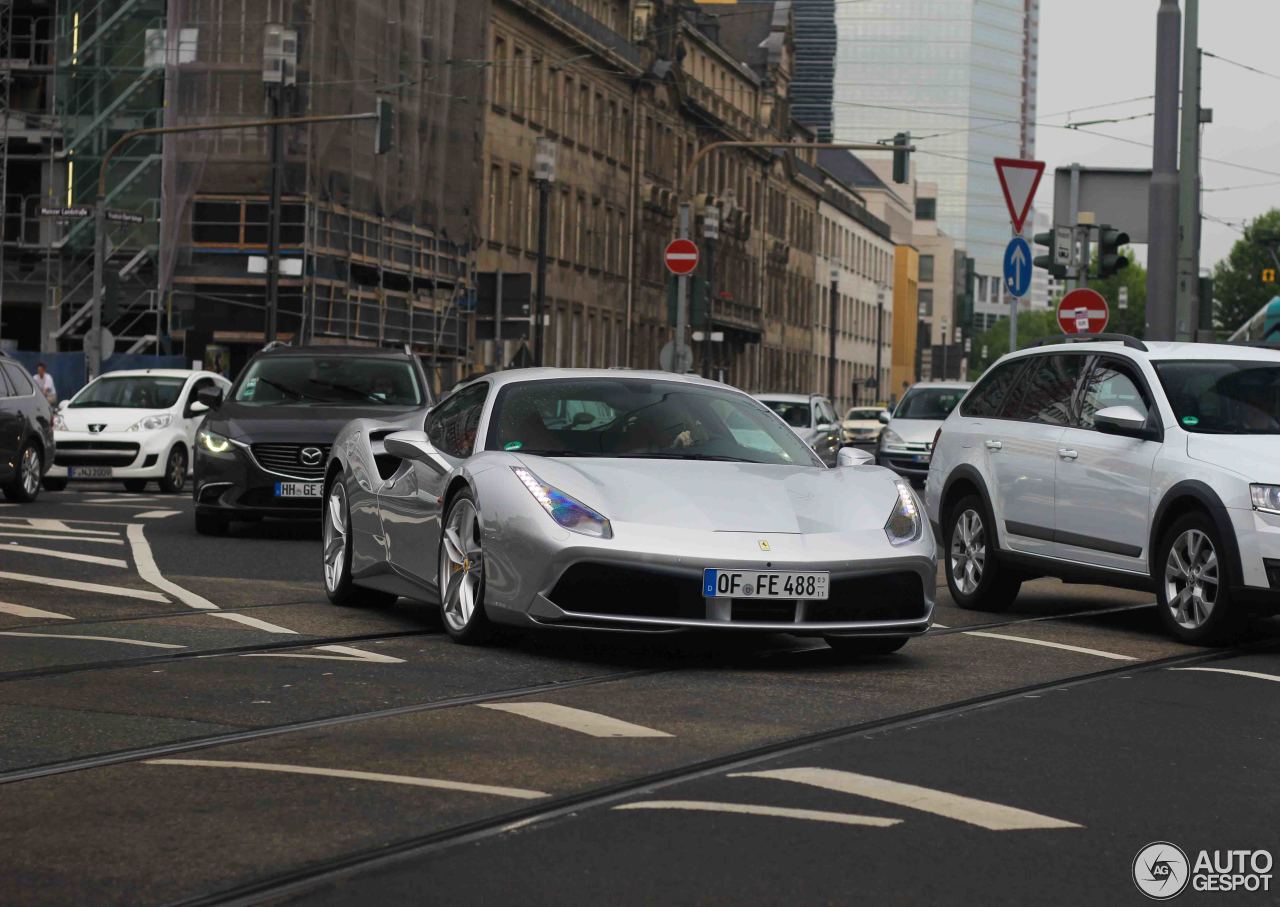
(1083, 311)
(124, 217)
(681, 256)
(67, 213)
(1064, 238)
(1019, 181)
(1017, 267)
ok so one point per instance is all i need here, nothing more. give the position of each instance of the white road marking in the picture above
(252, 622)
(128, 642)
(345, 653)
(992, 816)
(42, 525)
(412, 781)
(64, 555)
(814, 815)
(122, 499)
(157, 514)
(98, 588)
(591, 723)
(1052, 645)
(24, 611)
(60, 538)
(148, 570)
(1256, 675)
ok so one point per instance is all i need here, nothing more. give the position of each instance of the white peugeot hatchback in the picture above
(138, 426)
(1118, 462)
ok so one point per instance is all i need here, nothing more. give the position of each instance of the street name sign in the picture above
(1083, 311)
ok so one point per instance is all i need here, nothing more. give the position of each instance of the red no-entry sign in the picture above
(1083, 311)
(681, 256)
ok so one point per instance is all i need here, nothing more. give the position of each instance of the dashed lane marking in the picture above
(128, 642)
(1051, 645)
(25, 611)
(39, 525)
(64, 555)
(253, 622)
(60, 538)
(1256, 675)
(98, 588)
(992, 816)
(751, 809)
(148, 570)
(592, 724)
(344, 653)
(410, 780)
(157, 514)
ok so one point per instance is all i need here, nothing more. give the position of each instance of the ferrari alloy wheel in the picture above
(1192, 586)
(976, 578)
(462, 573)
(25, 486)
(336, 538)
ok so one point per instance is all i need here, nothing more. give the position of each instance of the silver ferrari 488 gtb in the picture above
(623, 500)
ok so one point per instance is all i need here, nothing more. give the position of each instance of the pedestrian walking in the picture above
(44, 381)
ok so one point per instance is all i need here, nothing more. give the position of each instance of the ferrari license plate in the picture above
(89, 472)
(299, 489)
(721, 583)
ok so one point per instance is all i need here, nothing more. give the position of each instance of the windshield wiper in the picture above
(284, 388)
(334, 385)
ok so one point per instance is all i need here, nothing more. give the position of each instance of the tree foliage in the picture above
(1238, 289)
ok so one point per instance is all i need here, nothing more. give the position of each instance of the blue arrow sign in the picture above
(1017, 267)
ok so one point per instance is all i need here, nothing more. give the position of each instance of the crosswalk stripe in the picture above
(64, 555)
(43, 525)
(60, 538)
(751, 809)
(127, 642)
(592, 724)
(157, 514)
(99, 588)
(992, 816)
(25, 611)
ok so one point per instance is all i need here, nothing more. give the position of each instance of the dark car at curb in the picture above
(26, 433)
(261, 451)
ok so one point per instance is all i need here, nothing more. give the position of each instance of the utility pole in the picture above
(1188, 287)
(1162, 246)
(879, 337)
(279, 70)
(93, 342)
(832, 317)
(710, 232)
(544, 173)
(946, 341)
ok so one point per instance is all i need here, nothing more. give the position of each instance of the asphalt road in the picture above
(188, 720)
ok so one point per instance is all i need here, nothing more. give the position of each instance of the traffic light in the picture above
(901, 157)
(383, 133)
(1109, 258)
(1049, 262)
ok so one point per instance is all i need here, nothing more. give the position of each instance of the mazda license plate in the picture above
(88, 472)
(299, 489)
(721, 583)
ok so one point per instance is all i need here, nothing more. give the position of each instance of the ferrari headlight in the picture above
(1265, 497)
(569, 513)
(151, 423)
(59, 423)
(889, 437)
(904, 524)
(212, 441)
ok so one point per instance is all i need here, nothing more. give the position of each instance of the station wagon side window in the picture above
(1049, 388)
(987, 399)
(1111, 383)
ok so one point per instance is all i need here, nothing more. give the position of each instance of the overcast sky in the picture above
(1098, 51)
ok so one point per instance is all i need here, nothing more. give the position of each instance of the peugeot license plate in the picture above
(299, 489)
(88, 472)
(721, 583)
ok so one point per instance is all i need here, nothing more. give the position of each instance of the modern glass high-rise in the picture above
(960, 76)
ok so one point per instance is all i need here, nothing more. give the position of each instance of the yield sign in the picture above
(1019, 181)
(681, 256)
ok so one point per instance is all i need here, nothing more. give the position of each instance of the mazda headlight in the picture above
(904, 525)
(568, 512)
(59, 423)
(213, 442)
(151, 423)
(1265, 497)
(889, 437)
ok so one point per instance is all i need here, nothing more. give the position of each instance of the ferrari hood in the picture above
(723, 497)
(304, 423)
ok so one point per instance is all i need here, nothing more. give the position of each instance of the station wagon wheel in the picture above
(968, 551)
(462, 573)
(976, 578)
(25, 486)
(1192, 583)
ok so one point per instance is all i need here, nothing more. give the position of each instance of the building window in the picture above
(926, 303)
(926, 209)
(500, 71)
(926, 269)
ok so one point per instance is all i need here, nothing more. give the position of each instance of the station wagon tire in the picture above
(865, 646)
(175, 471)
(461, 574)
(1193, 589)
(54, 484)
(975, 576)
(135, 485)
(336, 553)
(25, 485)
(210, 524)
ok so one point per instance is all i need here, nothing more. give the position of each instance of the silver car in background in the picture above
(906, 444)
(626, 501)
(813, 418)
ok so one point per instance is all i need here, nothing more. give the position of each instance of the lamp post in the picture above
(879, 334)
(946, 343)
(544, 173)
(710, 232)
(279, 70)
(833, 315)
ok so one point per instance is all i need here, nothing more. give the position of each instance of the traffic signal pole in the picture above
(1162, 243)
(1188, 289)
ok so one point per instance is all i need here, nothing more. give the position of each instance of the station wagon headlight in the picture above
(151, 423)
(568, 512)
(1265, 497)
(905, 524)
(890, 437)
(213, 442)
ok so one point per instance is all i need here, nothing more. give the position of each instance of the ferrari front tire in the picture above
(461, 574)
(336, 553)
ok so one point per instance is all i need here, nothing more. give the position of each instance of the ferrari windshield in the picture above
(130, 392)
(637, 417)
(929, 402)
(329, 380)
(1223, 397)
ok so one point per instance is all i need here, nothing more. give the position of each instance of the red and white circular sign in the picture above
(1083, 311)
(681, 256)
